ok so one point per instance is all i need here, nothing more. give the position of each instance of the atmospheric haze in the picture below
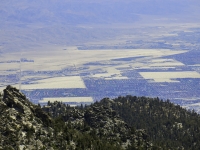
(86, 50)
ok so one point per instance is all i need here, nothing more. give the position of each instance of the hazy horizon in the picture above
(88, 50)
(26, 24)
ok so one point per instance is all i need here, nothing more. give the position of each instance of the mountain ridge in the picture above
(94, 12)
(27, 126)
(128, 122)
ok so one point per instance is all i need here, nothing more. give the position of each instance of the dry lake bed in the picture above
(155, 61)
(76, 76)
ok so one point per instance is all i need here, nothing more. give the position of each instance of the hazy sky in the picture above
(104, 11)
(27, 23)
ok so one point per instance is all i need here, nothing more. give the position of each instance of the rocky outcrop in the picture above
(24, 125)
(21, 121)
(13, 98)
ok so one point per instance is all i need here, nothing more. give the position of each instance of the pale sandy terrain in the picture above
(168, 76)
(72, 62)
(32, 77)
(116, 78)
(9, 66)
(59, 57)
(110, 71)
(56, 83)
(56, 58)
(165, 63)
(67, 99)
(154, 62)
(53, 83)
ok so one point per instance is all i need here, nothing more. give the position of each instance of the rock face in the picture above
(24, 125)
(21, 121)
(107, 124)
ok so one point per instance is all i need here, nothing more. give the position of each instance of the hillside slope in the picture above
(25, 125)
(123, 123)
(166, 125)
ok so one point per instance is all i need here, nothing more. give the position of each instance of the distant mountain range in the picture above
(28, 24)
(96, 12)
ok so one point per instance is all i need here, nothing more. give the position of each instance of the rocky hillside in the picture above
(168, 125)
(137, 122)
(102, 121)
(123, 123)
(21, 122)
(24, 125)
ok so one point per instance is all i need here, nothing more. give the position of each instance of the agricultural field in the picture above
(161, 65)
(55, 83)
(169, 76)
